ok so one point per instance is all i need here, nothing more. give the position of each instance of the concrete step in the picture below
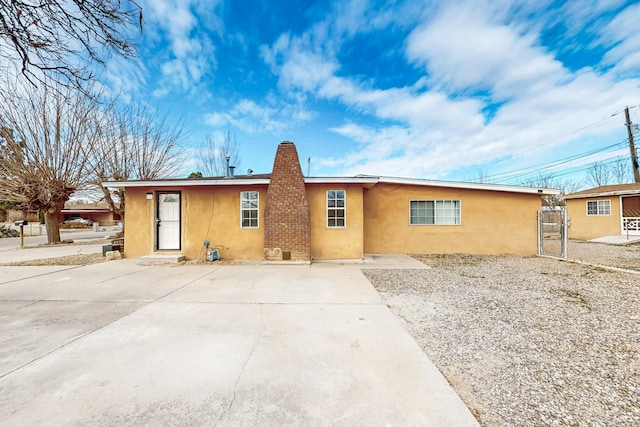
(161, 259)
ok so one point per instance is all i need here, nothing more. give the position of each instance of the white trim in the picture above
(257, 209)
(185, 183)
(586, 205)
(341, 180)
(361, 179)
(344, 209)
(470, 186)
(434, 211)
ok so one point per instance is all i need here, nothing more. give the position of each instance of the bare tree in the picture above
(47, 138)
(611, 172)
(552, 181)
(481, 176)
(59, 39)
(135, 143)
(621, 172)
(599, 174)
(211, 159)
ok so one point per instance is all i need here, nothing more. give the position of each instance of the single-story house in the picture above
(96, 212)
(286, 216)
(608, 210)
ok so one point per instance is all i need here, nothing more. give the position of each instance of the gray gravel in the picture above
(526, 341)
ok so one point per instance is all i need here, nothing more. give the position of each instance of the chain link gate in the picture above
(553, 237)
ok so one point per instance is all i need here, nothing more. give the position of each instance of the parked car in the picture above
(77, 220)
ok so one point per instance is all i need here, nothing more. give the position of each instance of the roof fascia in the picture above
(339, 180)
(472, 186)
(185, 183)
(603, 194)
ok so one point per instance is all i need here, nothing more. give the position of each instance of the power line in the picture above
(543, 166)
(537, 147)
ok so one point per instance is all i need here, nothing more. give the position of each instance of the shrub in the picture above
(8, 231)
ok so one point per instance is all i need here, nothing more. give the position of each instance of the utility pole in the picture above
(632, 148)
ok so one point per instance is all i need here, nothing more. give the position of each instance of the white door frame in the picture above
(172, 224)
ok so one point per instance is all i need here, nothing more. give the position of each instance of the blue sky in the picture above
(448, 90)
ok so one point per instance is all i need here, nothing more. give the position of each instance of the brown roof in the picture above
(606, 190)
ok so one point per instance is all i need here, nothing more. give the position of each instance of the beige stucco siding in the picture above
(207, 213)
(336, 243)
(586, 227)
(138, 223)
(491, 222)
(214, 215)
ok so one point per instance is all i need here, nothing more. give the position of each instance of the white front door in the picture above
(168, 221)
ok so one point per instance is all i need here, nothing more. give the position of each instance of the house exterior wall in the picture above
(336, 243)
(208, 213)
(491, 222)
(583, 227)
(138, 223)
(214, 214)
(377, 221)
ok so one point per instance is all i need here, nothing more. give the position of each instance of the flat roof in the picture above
(360, 179)
(471, 185)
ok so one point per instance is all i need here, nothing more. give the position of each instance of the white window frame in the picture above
(603, 207)
(243, 209)
(337, 208)
(457, 210)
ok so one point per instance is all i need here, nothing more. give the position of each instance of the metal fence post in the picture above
(539, 221)
(564, 234)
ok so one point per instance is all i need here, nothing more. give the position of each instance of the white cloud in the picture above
(623, 35)
(250, 117)
(183, 25)
(463, 50)
(438, 123)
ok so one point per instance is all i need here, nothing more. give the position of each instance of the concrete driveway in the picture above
(122, 344)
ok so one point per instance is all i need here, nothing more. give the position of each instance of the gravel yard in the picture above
(526, 341)
(627, 257)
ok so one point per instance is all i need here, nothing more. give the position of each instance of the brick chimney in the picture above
(287, 220)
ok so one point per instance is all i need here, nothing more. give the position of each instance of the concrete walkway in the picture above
(121, 344)
(618, 239)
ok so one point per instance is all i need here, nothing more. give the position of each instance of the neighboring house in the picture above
(608, 210)
(96, 212)
(284, 215)
(18, 214)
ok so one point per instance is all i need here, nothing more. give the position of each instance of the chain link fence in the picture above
(607, 240)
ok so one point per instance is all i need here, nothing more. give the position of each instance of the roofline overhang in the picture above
(603, 194)
(365, 180)
(471, 186)
(186, 183)
(341, 180)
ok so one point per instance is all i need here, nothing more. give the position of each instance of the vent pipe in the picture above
(227, 170)
(232, 171)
